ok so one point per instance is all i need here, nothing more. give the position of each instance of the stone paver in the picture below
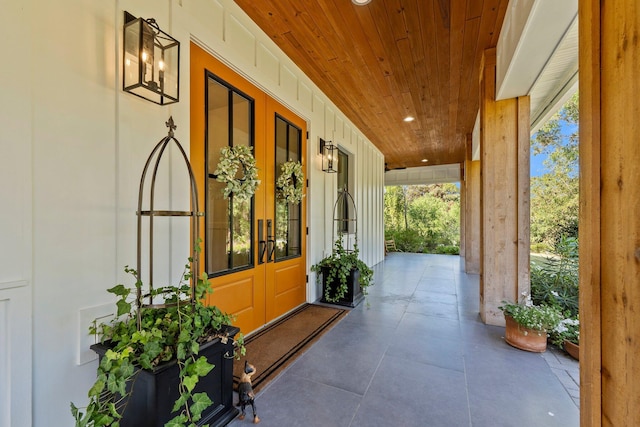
(566, 369)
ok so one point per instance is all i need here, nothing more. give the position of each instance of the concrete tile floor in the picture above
(416, 354)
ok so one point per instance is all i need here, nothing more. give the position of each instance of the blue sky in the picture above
(536, 167)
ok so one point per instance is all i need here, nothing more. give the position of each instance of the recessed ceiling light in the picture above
(361, 2)
(424, 160)
(409, 119)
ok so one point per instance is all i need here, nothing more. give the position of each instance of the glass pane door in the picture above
(287, 215)
(229, 233)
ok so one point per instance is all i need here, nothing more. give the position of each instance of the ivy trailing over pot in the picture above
(339, 266)
(233, 159)
(290, 183)
(173, 333)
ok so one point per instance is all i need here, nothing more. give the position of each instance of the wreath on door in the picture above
(233, 159)
(290, 183)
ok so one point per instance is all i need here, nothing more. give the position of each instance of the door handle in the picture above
(262, 244)
(271, 241)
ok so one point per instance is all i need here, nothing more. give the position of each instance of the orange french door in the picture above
(286, 268)
(254, 250)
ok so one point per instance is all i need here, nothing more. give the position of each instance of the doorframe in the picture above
(308, 151)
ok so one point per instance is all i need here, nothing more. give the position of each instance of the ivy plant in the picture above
(339, 266)
(150, 337)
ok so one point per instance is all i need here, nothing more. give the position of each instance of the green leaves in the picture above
(200, 402)
(97, 388)
(190, 382)
(233, 159)
(201, 367)
(163, 334)
(422, 218)
(338, 267)
(290, 182)
(124, 307)
(537, 317)
(119, 290)
(178, 421)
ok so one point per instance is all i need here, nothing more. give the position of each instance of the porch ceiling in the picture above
(390, 59)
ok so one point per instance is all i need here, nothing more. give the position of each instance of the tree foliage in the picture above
(554, 194)
(423, 218)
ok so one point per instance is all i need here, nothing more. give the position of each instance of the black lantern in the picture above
(329, 153)
(151, 61)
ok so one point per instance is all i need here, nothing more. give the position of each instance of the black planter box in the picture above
(354, 294)
(155, 392)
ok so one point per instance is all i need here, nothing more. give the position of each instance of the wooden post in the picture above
(504, 163)
(609, 219)
(463, 212)
(472, 213)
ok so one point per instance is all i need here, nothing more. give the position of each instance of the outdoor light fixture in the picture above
(151, 61)
(329, 153)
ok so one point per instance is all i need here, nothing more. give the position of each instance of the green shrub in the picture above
(554, 282)
(540, 248)
(447, 250)
(408, 240)
(567, 329)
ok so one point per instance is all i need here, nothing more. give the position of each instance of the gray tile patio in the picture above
(416, 354)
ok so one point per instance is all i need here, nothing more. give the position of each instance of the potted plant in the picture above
(527, 325)
(566, 335)
(345, 277)
(152, 361)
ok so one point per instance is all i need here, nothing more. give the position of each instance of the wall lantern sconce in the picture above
(151, 61)
(329, 153)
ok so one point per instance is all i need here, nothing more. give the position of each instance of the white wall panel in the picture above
(305, 96)
(240, 40)
(288, 83)
(268, 64)
(340, 135)
(16, 232)
(15, 357)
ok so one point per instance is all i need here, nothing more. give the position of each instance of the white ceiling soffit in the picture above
(532, 34)
(558, 81)
(423, 175)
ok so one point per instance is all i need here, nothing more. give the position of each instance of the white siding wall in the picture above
(73, 147)
(16, 273)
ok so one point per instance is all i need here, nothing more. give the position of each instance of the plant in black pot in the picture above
(157, 356)
(345, 277)
(152, 360)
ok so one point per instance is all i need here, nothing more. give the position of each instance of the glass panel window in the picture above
(228, 236)
(343, 184)
(287, 215)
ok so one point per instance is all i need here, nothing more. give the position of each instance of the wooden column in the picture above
(609, 213)
(463, 213)
(504, 163)
(472, 213)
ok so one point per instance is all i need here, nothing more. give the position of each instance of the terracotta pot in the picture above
(572, 349)
(525, 338)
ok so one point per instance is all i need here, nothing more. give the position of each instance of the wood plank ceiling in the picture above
(390, 59)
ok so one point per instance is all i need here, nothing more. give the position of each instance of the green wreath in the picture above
(232, 159)
(290, 183)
